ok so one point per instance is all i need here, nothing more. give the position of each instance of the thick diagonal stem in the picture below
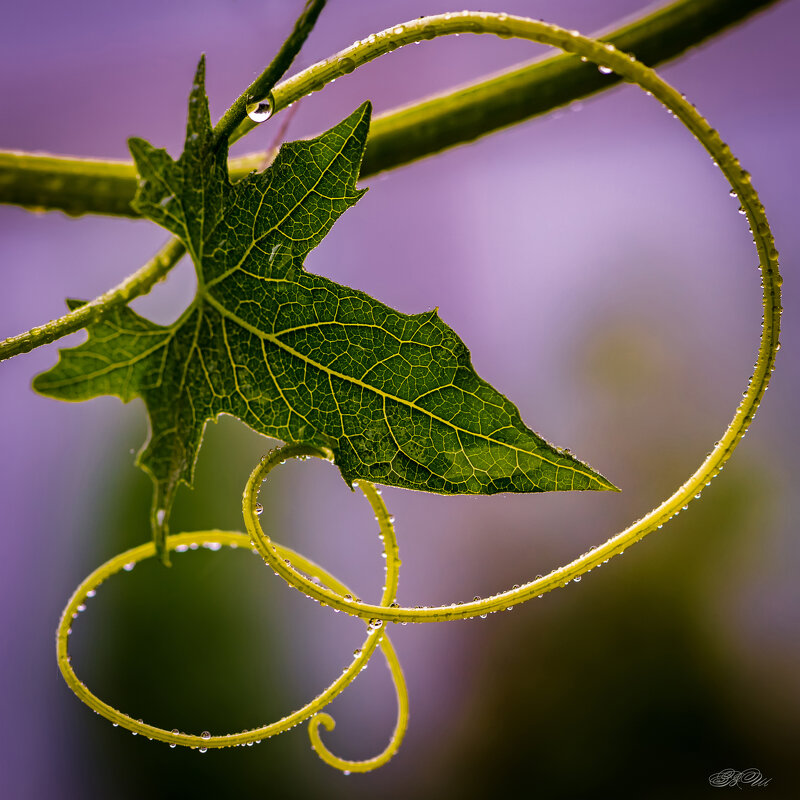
(83, 186)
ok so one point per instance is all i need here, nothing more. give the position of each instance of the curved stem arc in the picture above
(628, 68)
(216, 539)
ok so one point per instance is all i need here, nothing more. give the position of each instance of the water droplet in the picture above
(398, 30)
(205, 735)
(202, 749)
(261, 111)
(604, 69)
(91, 593)
(348, 598)
(129, 566)
(161, 515)
(357, 652)
(375, 624)
(181, 548)
(259, 509)
(81, 607)
(346, 65)
(577, 578)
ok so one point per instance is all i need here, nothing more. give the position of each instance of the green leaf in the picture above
(293, 355)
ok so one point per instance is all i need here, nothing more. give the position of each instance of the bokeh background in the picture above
(597, 269)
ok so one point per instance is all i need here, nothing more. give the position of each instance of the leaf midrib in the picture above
(274, 340)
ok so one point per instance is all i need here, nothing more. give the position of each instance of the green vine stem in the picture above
(291, 566)
(215, 540)
(85, 186)
(607, 57)
(533, 89)
(139, 283)
(264, 83)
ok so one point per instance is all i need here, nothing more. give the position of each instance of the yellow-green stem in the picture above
(291, 566)
(132, 287)
(607, 56)
(84, 186)
(218, 539)
(395, 138)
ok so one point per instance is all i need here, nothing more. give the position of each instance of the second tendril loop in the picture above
(274, 554)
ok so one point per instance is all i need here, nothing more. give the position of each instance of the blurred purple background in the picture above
(599, 273)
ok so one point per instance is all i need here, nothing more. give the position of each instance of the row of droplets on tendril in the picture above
(316, 582)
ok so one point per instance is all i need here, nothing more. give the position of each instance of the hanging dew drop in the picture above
(129, 566)
(602, 68)
(261, 111)
(259, 509)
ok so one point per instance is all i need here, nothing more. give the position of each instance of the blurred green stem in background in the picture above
(87, 186)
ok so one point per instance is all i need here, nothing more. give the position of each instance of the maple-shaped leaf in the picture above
(293, 355)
